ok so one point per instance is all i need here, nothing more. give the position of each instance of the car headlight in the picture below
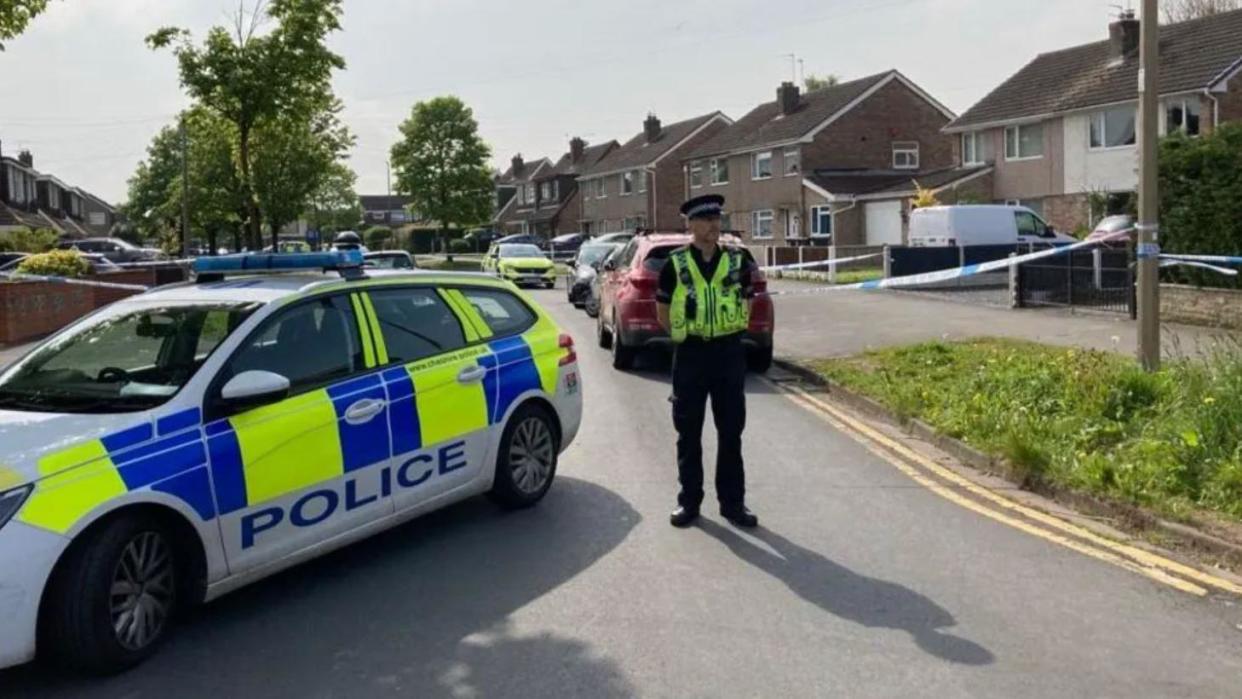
(12, 500)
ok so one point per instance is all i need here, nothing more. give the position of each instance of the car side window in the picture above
(311, 344)
(416, 324)
(503, 312)
(1027, 224)
(626, 256)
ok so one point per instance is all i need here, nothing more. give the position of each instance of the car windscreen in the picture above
(658, 256)
(389, 261)
(590, 254)
(1114, 224)
(520, 251)
(126, 362)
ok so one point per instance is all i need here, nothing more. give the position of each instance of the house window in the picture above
(761, 224)
(53, 196)
(1025, 141)
(696, 174)
(641, 176)
(627, 183)
(597, 186)
(720, 170)
(761, 165)
(976, 148)
(821, 221)
(1182, 115)
(1113, 128)
(634, 223)
(793, 161)
(545, 191)
(530, 194)
(905, 155)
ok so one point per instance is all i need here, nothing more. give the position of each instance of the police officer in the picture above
(703, 303)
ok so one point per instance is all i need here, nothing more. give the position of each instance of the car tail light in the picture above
(567, 343)
(759, 285)
(643, 283)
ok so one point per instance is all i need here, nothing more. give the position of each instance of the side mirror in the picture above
(610, 265)
(251, 389)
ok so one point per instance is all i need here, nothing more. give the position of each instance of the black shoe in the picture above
(683, 516)
(740, 517)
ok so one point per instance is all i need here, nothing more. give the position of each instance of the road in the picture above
(860, 582)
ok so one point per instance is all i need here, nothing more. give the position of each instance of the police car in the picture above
(182, 443)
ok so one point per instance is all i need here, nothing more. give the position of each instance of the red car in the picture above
(627, 305)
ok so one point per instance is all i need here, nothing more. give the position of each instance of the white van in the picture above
(980, 224)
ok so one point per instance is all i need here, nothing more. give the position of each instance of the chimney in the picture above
(651, 127)
(576, 148)
(518, 165)
(25, 158)
(787, 96)
(1123, 36)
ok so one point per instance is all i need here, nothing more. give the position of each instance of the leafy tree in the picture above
(1201, 197)
(15, 15)
(1182, 10)
(249, 78)
(923, 197)
(817, 82)
(293, 156)
(148, 208)
(334, 206)
(377, 237)
(441, 164)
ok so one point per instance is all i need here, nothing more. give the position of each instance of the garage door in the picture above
(884, 223)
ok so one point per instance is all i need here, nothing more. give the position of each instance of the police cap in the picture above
(706, 206)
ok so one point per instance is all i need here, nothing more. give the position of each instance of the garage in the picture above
(884, 223)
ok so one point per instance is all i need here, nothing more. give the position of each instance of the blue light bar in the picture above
(279, 262)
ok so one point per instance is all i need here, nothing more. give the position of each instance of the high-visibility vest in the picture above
(708, 309)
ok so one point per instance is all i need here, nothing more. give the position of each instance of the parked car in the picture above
(7, 257)
(389, 259)
(975, 224)
(522, 239)
(98, 263)
(520, 264)
(565, 247)
(627, 307)
(115, 249)
(481, 239)
(613, 238)
(585, 268)
(1110, 228)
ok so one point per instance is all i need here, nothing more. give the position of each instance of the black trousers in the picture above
(716, 370)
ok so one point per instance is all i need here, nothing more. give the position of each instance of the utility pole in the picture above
(185, 191)
(1149, 206)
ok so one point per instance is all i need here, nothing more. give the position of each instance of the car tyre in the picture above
(602, 334)
(622, 354)
(91, 627)
(759, 359)
(526, 460)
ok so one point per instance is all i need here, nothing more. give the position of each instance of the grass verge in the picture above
(1087, 421)
(845, 276)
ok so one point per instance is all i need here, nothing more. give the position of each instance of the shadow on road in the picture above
(849, 595)
(657, 367)
(420, 611)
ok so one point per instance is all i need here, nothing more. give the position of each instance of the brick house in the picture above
(880, 126)
(384, 210)
(1061, 132)
(557, 207)
(640, 183)
(514, 189)
(34, 200)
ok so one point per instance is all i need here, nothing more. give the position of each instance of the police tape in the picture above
(1201, 265)
(18, 276)
(944, 275)
(825, 263)
(1218, 259)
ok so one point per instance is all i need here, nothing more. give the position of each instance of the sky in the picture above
(85, 95)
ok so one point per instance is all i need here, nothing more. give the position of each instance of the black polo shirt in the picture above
(668, 275)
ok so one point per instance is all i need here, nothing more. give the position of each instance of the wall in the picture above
(1068, 213)
(1230, 102)
(1218, 308)
(1035, 178)
(30, 310)
(607, 214)
(1104, 170)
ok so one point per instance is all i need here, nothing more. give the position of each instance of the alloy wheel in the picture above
(531, 455)
(142, 590)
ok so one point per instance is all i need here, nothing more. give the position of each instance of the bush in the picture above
(57, 263)
(1201, 199)
(459, 246)
(26, 240)
(377, 237)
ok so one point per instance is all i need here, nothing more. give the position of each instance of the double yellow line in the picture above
(1001, 509)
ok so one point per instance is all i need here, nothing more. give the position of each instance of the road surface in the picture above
(860, 582)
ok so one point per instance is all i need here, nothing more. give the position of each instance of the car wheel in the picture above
(112, 601)
(759, 360)
(526, 462)
(602, 333)
(622, 354)
(591, 307)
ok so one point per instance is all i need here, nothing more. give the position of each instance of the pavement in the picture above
(842, 323)
(860, 582)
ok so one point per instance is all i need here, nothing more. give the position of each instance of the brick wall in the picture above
(1068, 212)
(31, 310)
(1230, 103)
(1218, 308)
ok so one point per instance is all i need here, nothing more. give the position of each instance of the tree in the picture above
(441, 164)
(293, 156)
(334, 206)
(15, 15)
(816, 82)
(248, 78)
(1201, 197)
(1182, 10)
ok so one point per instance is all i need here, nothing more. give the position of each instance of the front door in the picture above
(300, 471)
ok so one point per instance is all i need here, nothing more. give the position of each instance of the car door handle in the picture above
(364, 410)
(471, 374)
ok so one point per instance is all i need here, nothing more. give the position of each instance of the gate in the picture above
(1100, 278)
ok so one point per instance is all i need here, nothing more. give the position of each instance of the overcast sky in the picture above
(85, 95)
